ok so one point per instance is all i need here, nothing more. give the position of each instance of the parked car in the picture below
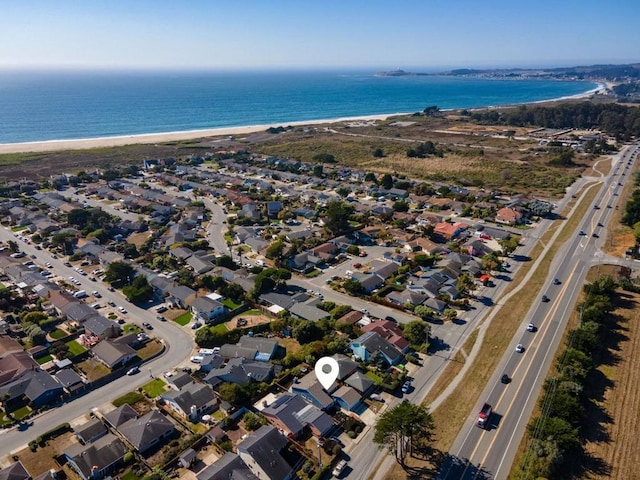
(167, 374)
(339, 468)
(133, 371)
(406, 386)
(147, 325)
(96, 294)
(122, 309)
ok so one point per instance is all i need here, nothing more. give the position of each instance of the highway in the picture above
(177, 351)
(489, 453)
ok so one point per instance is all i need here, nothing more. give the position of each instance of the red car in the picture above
(357, 265)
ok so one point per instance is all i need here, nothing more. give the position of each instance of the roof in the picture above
(347, 394)
(294, 413)
(33, 384)
(68, 378)
(181, 292)
(264, 446)
(352, 317)
(359, 381)
(120, 415)
(180, 380)
(99, 325)
(141, 432)
(309, 383)
(112, 353)
(9, 345)
(241, 371)
(13, 365)
(101, 453)
(374, 342)
(205, 304)
(308, 312)
(90, 430)
(229, 467)
(261, 344)
(346, 366)
(15, 471)
(193, 394)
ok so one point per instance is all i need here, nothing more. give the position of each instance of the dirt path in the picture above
(617, 450)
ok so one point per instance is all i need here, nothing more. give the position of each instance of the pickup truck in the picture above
(483, 416)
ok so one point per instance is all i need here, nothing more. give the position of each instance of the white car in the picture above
(167, 374)
(133, 371)
(520, 348)
(122, 309)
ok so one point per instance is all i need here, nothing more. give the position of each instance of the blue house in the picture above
(310, 389)
(372, 347)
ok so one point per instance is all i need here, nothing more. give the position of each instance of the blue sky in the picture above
(252, 34)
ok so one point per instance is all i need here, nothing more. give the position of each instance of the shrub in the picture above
(352, 434)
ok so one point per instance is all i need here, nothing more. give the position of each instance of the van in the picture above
(339, 468)
(80, 294)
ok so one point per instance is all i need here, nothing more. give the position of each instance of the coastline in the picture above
(146, 138)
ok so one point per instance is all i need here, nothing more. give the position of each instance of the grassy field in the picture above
(183, 319)
(57, 334)
(154, 388)
(128, 398)
(75, 348)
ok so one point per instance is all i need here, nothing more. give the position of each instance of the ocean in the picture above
(39, 106)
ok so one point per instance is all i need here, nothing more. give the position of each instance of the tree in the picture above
(13, 246)
(232, 393)
(353, 286)
(416, 332)
(337, 216)
(423, 311)
(139, 290)
(274, 251)
(402, 427)
(509, 245)
(464, 283)
(306, 331)
(120, 273)
(253, 421)
(386, 181)
(378, 153)
(324, 158)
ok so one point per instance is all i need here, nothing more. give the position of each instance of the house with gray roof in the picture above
(308, 312)
(90, 431)
(361, 383)
(206, 309)
(98, 459)
(369, 281)
(260, 451)
(310, 389)
(347, 398)
(372, 347)
(229, 467)
(241, 371)
(406, 297)
(192, 401)
(199, 265)
(120, 415)
(36, 385)
(181, 253)
(69, 379)
(113, 354)
(161, 285)
(77, 312)
(101, 327)
(181, 296)
(147, 431)
(291, 415)
(15, 471)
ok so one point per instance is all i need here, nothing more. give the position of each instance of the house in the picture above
(305, 262)
(383, 269)
(354, 316)
(98, 459)
(308, 312)
(147, 431)
(291, 415)
(9, 346)
(241, 371)
(200, 265)
(179, 380)
(69, 380)
(435, 304)
(91, 431)
(15, 471)
(120, 415)
(161, 285)
(310, 389)
(230, 466)
(346, 366)
(390, 332)
(449, 231)
(113, 354)
(274, 208)
(406, 297)
(181, 296)
(192, 401)
(369, 281)
(508, 216)
(206, 309)
(36, 385)
(426, 246)
(371, 347)
(250, 211)
(260, 451)
(266, 347)
(101, 327)
(187, 458)
(347, 398)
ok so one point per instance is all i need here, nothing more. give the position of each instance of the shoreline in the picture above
(146, 138)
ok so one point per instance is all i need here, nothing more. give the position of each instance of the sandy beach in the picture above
(86, 143)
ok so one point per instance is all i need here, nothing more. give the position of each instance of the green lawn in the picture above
(21, 413)
(44, 359)
(129, 398)
(75, 348)
(183, 319)
(376, 378)
(19, 228)
(130, 328)
(4, 420)
(230, 304)
(154, 388)
(57, 334)
(220, 328)
(253, 311)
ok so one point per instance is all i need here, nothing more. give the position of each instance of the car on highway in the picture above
(556, 281)
(519, 348)
(582, 233)
(531, 327)
(545, 299)
(505, 379)
(595, 235)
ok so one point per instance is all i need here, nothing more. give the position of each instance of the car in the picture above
(72, 279)
(582, 233)
(339, 468)
(505, 379)
(364, 310)
(545, 299)
(519, 348)
(531, 327)
(599, 224)
(167, 374)
(120, 321)
(111, 289)
(33, 256)
(133, 371)
(556, 281)
(77, 282)
(357, 265)
(147, 325)
(111, 304)
(596, 207)
(48, 265)
(122, 309)
(376, 397)
(196, 325)
(96, 294)
(362, 253)
(390, 319)
(406, 386)
(595, 235)
(161, 318)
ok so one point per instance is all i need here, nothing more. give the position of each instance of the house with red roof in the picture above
(508, 216)
(390, 332)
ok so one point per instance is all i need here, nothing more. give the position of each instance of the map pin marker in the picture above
(327, 370)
